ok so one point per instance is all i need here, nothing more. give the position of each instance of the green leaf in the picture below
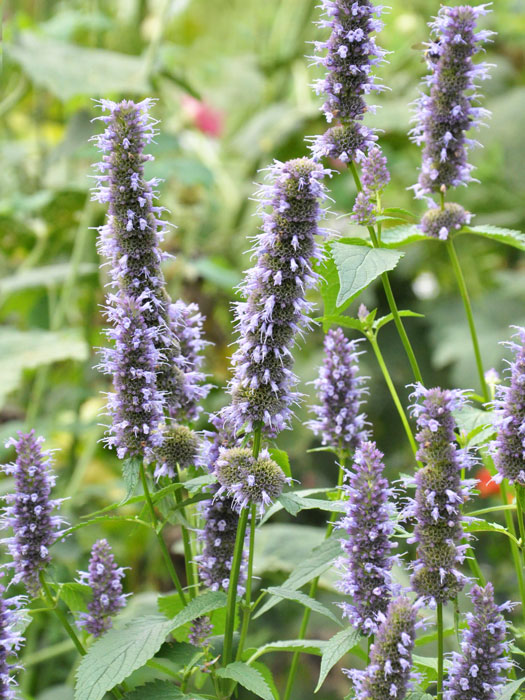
(21, 350)
(160, 690)
(329, 286)
(113, 657)
(335, 649)
(181, 654)
(306, 646)
(305, 600)
(509, 236)
(401, 235)
(510, 689)
(418, 695)
(268, 677)
(390, 317)
(358, 266)
(67, 70)
(75, 595)
(320, 559)
(131, 474)
(401, 212)
(218, 272)
(294, 503)
(282, 459)
(46, 276)
(477, 425)
(344, 321)
(250, 678)
(484, 526)
(196, 484)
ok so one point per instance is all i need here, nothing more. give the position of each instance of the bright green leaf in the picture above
(510, 689)
(305, 600)
(509, 236)
(131, 475)
(390, 317)
(336, 647)
(401, 235)
(305, 646)
(46, 276)
(249, 677)
(75, 595)
(160, 690)
(282, 459)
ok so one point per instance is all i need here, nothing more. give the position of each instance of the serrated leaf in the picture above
(303, 599)
(344, 321)
(181, 654)
(400, 212)
(358, 266)
(282, 459)
(247, 676)
(131, 475)
(510, 689)
(477, 425)
(294, 503)
(401, 235)
(75, 595)
(160, 690)
(335, 649)
(305, 646)
(205, 603)
(509, 236)
(268, 677)
(320, 559)
(484, 526)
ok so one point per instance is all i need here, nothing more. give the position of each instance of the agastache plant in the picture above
(440, 494)
(477, 673)
(30, 512)
(508, 448)
(375, 176)
(275, 310)
(350, 55)
(339, 421)
(104, 577)
(10, 643)
(367, 553)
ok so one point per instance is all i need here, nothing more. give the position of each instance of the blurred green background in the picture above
(232, 84)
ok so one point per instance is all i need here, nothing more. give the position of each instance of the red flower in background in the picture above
(486, 486)
(203, 116)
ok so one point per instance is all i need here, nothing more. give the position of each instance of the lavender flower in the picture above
(440, 493)
(508, 449)
(200, 631)
(105, 580)
(363, 211)
(180, 447)
(440, 223)
(10, 642)
(136, 406)
(30, 512)
(388, 674)
(340, 393)
(350, 53)
(375, 175)
(275, 309)
(186, 323)
(218, 542)
(476, 673)
(449, 111)
(367, 559)
(223, 436)
(248, 479)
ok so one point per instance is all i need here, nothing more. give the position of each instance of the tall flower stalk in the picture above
(11, 642)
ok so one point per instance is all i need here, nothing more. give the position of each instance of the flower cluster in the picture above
(340, 393)
(275, 310)
(349, 55)
(509, 447)
(30, 511)
(388, 674)
(450, 109)
(440, 493)
(248, 479)
(200, 631)
(476, 673)
(367, 560)
(374, 177)
(136, 405)
(440, 223)
(104, 578)
(10, 642)
(180, 447)
(218, 542)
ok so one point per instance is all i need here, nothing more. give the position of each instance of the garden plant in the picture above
(401, 577)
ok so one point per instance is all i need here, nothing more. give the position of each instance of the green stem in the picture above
(313, 588)
(439, 616)
(393, 392)
(48, 596)
(160, 539)
(470, 318)
(188, 552)
(519, 515)
(516, 558)
(248, 594)
(389, 294)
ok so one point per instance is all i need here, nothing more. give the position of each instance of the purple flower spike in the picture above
(247, 479)
(440, 223)
(275, 310)
(440, 493)
(105, 580)
(218, 542)
(340, 393)
(450, 110)
(349, 56)
(363, 211)
(10, 643)
(508, 449)
(367, 560)
(30, 512)
(375, 175)
(180, 447)
(200, 632)
(388, 674)
(476, 673)
(136, 406)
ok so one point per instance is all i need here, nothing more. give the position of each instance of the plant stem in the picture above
(393, 392)
(439, 616)
(313, 587)
(248, 594)
(160, 539)
(509, 521)
(470, 318)
(389, 294)
(188, 552)
(48, 596)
